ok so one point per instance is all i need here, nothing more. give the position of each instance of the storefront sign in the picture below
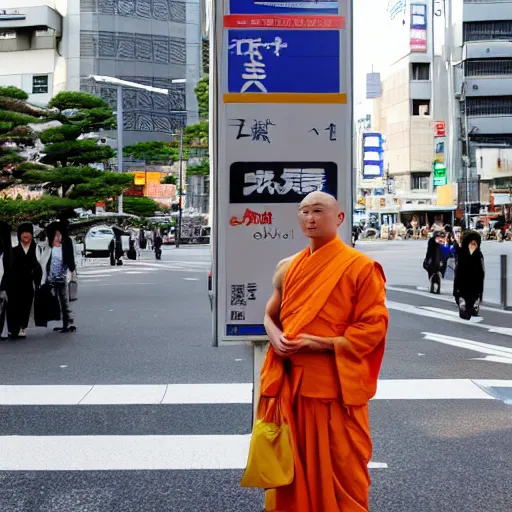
(283, 7)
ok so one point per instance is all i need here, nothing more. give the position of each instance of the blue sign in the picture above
(373, 155)
(283, 7)
(284, 61)
(418, 16)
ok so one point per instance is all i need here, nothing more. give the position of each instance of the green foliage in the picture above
(76, 152)
(60, 134)
(45, 208)
(10, 158)
(203, 169)
(202, 94)
(13, 92)
(6, 127)
(170, 179)
(93, 119)
(21, 107)
(73, 99)
(156, 151)
(196, 134)
(141, 206)
(17, 119)
(205, 54)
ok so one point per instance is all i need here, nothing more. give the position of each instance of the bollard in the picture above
(503, 282)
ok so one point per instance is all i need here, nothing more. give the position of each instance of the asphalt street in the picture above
(137, 412)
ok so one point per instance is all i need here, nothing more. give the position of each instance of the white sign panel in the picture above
(270, 154)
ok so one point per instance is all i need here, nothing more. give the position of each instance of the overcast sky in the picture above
(370, 22)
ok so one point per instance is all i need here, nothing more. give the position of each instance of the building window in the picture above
(420, 71)
(40, 84)
(420, 107)
(420, 181)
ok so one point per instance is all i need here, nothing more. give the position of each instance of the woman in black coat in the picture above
(5, 274)
(25, 277)
(468, 285)
(435, 262)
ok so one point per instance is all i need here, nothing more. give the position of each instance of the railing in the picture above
(499, 30)
(488, 106)
(484, 68)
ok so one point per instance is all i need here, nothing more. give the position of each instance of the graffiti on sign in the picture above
(273, 61)
(255, 72)
(331, 129)
(273, 233)
(251, 217)
(259, 130)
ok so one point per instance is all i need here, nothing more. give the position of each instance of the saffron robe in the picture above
(335, 291)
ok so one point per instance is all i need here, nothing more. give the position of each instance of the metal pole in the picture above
(120, 141)
(180, 188)
(503, 281)
(468, 155)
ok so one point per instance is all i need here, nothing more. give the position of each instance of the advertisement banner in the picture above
(273, 61)
(418, 41)
(283, 7)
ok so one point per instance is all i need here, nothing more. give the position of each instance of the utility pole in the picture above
(120, 141)
(180, 188)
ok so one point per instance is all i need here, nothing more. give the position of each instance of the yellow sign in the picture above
(139, 178)
(153, 177)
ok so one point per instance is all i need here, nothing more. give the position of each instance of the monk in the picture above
(327, 322)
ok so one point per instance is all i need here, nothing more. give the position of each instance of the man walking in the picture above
(327, 322)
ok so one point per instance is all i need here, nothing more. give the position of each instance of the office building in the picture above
(47, 46)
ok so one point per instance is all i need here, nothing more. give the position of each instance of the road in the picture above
(137, 412)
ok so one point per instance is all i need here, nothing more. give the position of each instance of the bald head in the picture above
(321, 198)
(320, 216)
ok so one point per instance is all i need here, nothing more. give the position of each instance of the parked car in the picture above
(97, 240)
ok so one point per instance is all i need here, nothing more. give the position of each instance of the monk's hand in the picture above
(289, 346)
(317, 342)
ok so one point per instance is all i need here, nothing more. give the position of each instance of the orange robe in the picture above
(335, 291)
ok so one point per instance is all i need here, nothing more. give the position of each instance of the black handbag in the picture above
(46, 306)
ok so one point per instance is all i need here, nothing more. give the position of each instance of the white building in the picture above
(463, 80)
(47, 46)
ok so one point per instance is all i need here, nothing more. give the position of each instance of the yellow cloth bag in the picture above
(270, 460)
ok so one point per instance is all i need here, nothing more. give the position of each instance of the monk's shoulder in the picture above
(281, 270)
(363, 264)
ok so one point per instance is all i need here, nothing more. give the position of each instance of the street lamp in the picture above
(119, 84)
(180, 113)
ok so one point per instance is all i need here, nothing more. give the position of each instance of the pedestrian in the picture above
(327, 322)
(24, 280)
(157, 243)
(435, 261)
(59, 268)
(468, 285)
(5, 268)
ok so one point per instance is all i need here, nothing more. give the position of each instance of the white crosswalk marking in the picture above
(101, 269)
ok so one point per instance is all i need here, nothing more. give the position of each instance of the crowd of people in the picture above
(36, 279)
(467, 262)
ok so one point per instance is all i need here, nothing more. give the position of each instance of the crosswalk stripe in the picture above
(111, 453)
(219, 393)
